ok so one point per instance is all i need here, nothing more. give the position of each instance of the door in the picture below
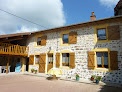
(50, 62)
(42, 63)
(18, 67)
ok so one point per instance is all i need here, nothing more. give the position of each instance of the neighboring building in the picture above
(118, 9)
(89, 48)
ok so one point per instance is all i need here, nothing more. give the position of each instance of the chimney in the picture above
(93, 17)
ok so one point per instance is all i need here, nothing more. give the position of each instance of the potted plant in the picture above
(35, 71)
(98, 78)
(77, 77)
(32, 70)
(92, 77)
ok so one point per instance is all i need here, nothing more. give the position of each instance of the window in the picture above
(39, 41)
(65, 38)
(65, 59)
(102, 59)
(101, 34)
(37, 59)
(50, 58)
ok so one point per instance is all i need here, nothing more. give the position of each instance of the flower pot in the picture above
(97, 82)
(92, 78)
(77, 78)
(32, 71)
(35, 72)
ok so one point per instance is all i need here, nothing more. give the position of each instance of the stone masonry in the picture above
(85, 43)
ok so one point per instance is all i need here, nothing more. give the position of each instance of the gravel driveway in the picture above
(26, 83)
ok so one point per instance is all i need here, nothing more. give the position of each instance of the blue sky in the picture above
(77, 11)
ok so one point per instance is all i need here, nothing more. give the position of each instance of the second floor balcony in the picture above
(11, 49)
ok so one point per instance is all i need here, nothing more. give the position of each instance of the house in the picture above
(88, 48)
(118, 9)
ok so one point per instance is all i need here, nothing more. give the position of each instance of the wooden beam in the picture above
(23, 64)
(7, 65)
(5, 40)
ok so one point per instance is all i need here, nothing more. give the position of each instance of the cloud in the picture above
(26, 29)
(48, 13)
(109, 3)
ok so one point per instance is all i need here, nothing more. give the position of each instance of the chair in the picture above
(5, 69)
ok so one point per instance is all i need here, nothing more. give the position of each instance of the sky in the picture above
(50, 13)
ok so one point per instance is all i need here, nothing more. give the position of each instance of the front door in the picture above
(50, 62)
(18, 66)
(42, 63)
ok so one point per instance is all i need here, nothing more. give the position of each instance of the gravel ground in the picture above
(26, 83)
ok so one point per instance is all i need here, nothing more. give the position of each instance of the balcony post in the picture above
(7, 65)
(23, 64)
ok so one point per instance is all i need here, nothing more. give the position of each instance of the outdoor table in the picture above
(54, 72)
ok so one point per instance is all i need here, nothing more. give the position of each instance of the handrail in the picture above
(6, 48)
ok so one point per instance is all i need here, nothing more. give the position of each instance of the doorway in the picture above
(50, 61)
(27, 64)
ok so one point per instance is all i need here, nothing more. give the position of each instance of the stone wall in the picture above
(85, 43)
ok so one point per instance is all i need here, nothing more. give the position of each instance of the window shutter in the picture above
(113, 32)
(57, 59)
(91, 64)
(113, 60)
(42, 63)
(72, 37)
(43, 40)
(31, 59)
(72, 60)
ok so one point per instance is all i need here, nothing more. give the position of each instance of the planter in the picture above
(92, 79)
(35, 72)
(77, 78)
(32, 71)
(97, 82)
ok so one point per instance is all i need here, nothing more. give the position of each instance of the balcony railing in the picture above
(6, 48)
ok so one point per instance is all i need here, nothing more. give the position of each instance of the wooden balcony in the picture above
(11, 49)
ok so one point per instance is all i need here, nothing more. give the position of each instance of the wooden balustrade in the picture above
(6, 48)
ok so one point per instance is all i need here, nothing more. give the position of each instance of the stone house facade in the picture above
(118, 9)
(89, 48)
